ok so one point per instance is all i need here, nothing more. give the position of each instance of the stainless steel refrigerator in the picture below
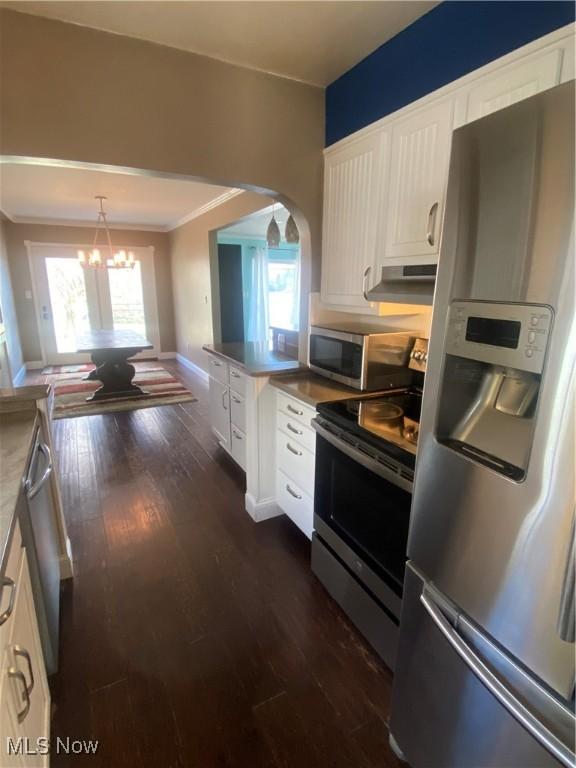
(485, 669)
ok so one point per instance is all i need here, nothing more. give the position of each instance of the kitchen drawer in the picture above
(238, 380)
(238, 411)
(8, 592)
(296, 409)
(297, 504)
(218, 369)
(296, 431)
(296, 462)
(238, 447)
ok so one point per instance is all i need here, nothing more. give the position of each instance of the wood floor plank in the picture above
(191, 636)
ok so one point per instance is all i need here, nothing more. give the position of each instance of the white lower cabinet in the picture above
(295, 460)
(24, 693)
(220, 411)
(229, 387)
(238, 446)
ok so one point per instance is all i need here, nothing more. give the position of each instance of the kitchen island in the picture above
(254, 357)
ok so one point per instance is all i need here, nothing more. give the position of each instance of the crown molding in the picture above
(42, 221)
(220, 200)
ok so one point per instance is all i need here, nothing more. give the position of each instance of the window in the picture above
(283, 290)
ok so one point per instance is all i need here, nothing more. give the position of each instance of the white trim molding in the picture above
(192, 366)
(223, 198)
(261, 510)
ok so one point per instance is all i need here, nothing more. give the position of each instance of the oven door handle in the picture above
(366, 461)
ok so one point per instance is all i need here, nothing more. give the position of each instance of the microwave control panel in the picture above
(511, 335)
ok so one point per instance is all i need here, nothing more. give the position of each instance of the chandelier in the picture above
(119, 259)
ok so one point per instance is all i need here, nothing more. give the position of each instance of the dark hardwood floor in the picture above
(192, 636)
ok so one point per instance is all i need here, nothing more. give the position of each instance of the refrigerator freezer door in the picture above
(444, 715)
(496, 547)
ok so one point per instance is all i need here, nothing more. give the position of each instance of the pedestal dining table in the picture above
(110, 351)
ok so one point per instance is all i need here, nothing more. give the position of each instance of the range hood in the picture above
(410, 284)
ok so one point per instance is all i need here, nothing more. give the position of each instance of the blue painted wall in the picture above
(448, 42)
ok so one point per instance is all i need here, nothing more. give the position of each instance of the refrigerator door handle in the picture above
(516, 708)
(566, 615)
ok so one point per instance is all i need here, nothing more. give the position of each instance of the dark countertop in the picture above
(313, 389)
(255, 358)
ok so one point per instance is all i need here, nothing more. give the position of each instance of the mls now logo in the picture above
(41, 746)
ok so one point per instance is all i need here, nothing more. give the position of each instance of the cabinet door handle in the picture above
(293, 429)
(217, 363)
(294, 410)
(19, 676)
(432, 224)
(235, 375)
(293, 493)
(33, 490)
(365, 282)
(6, 581)
(19, 651)
(236, 435)
(236, 399)
(293, 450)
(224, 401)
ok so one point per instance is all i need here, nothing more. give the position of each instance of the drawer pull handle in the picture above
(19, 651)
(236, 399)
(6, 581)
(293, 493)
(293, 429)
(19, 676)
(237, 436)
(293, 450)
(216, 363)
(235, 375)
(294, 410)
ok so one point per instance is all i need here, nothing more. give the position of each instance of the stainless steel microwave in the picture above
(365, 357)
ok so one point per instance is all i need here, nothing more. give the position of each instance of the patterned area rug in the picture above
(71, 391)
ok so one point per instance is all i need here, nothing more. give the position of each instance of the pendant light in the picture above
(115, 259)
(273, 232)
(291, 232)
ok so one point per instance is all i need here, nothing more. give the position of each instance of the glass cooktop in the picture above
(389, 421)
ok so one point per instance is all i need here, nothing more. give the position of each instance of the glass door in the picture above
(71, 300)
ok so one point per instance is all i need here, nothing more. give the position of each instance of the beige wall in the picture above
(17, 234)
(8, 307)
(73, 93)
(190, 255)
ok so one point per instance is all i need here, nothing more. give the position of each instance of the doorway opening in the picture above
(258, 286)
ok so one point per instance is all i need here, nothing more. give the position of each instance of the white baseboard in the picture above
(35, 365)
(19, 378)
(167, 355)
(66, 567)
(192, 366)
(261, 510)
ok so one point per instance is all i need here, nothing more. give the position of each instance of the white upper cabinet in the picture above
(353, 177)
(418, 173)
(514, 83)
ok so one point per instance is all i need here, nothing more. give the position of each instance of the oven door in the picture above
(362, 512)
(338, 355)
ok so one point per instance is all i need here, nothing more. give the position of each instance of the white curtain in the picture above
(257, 327)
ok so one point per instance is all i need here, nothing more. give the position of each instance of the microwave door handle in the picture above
(505, 696)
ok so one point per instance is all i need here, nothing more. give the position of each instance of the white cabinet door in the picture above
(220, 412)
(10, 729)
(352, 186)
(418, 174)
(238, 446)
(24, 694)
(514, 83)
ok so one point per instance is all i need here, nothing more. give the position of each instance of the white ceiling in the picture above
(313, 41)
(255, 225)
(55, 195)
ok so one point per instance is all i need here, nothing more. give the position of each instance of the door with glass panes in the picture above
(71, 300)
